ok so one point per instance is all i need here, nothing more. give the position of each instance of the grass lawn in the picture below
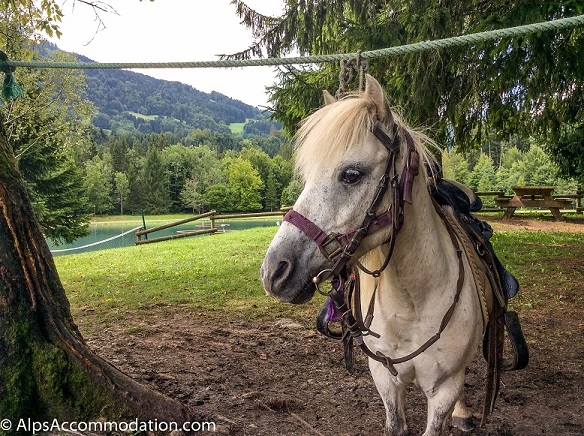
(221, 273)
(218, 273)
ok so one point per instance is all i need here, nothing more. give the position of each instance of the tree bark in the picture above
(47, 370)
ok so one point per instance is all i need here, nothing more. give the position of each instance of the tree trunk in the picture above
(46, 369)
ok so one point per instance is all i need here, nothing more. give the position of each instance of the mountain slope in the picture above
(130, 101)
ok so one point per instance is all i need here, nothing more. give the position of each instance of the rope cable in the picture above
(93, 244)
(455, 41)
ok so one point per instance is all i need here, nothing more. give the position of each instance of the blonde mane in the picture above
(335, 129)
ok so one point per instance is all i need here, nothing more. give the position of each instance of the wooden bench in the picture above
(533, 196)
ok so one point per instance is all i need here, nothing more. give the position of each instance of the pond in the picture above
(104, 235)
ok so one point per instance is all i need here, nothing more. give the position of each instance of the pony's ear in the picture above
(328, 98)
(374, 91)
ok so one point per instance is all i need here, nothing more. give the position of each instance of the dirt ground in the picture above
(280, 377)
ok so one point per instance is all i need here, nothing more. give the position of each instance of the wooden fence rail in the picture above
(175, 223)
(177, 236)
(145, 232)
(212, 215)
(244, 215)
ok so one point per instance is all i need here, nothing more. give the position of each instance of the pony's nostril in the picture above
(281, 271)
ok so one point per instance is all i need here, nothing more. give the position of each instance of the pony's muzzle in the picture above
(275, 273)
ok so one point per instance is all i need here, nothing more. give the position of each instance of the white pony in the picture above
(423, 301)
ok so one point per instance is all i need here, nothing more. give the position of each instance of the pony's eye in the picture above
(351, 176)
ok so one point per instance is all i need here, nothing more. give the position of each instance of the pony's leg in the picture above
(462, 417)
(441, 402)
(393, 396)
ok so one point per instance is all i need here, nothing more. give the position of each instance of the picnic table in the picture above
(533, 196)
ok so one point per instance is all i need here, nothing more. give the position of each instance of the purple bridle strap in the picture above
(319, 236)
(308, 227)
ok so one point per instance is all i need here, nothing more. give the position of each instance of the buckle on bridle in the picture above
(331, 246)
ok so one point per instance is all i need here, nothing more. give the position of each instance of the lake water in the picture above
(107, 235)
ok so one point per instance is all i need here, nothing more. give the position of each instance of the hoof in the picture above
(464, 424)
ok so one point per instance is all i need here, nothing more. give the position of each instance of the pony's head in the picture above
(341, 160)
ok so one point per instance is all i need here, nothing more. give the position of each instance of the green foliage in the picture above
(219, 197)
(529, 85)
(98, 184)
(121, 188)
(246, 184)
(61, 206)
(34, 18)
(482, 177)
(291, 192)
(455, 166)
(298, 93)
(190, 195)
(172, 178)
(568, 151)
(45, 128)
(533, 166)
(156, 193)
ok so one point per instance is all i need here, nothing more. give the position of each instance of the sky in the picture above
(169, 31)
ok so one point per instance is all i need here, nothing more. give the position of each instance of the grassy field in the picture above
(221, 273)
(236, 128)
(144, 117)
(547, 265)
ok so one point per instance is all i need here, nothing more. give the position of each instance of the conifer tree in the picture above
(531, 84)
(47, 371)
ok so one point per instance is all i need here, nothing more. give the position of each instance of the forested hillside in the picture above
(111, 141)
(129, 102)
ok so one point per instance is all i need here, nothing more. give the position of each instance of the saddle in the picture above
(459, 201)
(464, 201)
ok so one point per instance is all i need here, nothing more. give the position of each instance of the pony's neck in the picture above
(422, 252)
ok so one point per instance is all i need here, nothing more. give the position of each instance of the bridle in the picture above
(340, 249)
